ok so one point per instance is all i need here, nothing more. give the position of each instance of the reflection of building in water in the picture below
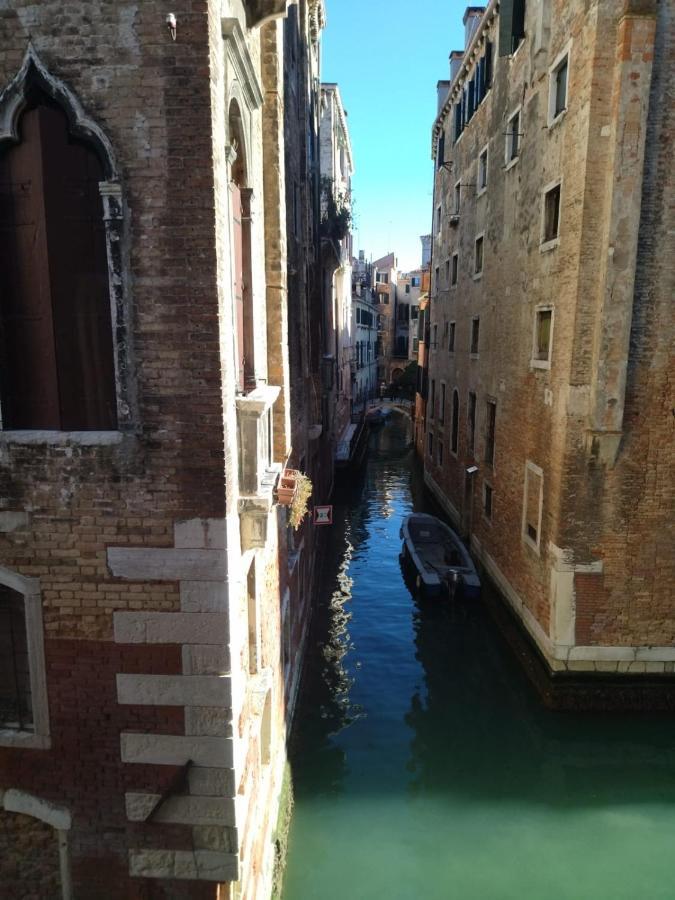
(479, 732)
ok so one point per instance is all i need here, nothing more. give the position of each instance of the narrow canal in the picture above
(425, 767)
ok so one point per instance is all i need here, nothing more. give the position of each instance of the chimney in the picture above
(442, 88)
(472, 17)
(456, 58)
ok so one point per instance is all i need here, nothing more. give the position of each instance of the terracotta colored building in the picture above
(549, 429)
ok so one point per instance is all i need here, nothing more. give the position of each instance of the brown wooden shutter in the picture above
(28, 376)
(57, 351)
(78, 272)
(237, 235)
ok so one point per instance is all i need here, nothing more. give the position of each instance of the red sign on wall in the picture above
(323, 515)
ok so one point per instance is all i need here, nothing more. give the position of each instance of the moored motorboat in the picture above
(442, 564)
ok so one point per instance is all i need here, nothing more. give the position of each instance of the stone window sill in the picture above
(549, 245)
(540, 364)
(511, 163)
(24, 739)
(61, 438)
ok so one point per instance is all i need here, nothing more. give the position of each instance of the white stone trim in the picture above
(170, 628)
(29, 805)
(58, 817)
(195, 534)
(38, 737)
(539, 472)
(181, 810)
(166, 564)
(551, 118)
(204, 865)
(174, 690)
(12, 102)
(62, 438)
(206, 659)
(237, 51)
(176, 750)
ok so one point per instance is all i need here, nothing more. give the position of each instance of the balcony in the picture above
(257, 471)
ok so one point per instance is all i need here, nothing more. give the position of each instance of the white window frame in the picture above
(457, 197)
(527, 540)
(551, 244)
(39, 737)
(552, 118)
(510, 161)
(479, 273)
(480, 190)
(542, 363)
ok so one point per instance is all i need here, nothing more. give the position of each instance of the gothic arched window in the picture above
(56, 343)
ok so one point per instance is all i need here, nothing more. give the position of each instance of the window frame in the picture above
(490, 403)
(454, 423)
(510, 159)
(533, 468)
(39, 737)
(554, 118)
(452, 336)
(454, 269)
(481, 187)
(479, 241)
(457, 197)
(474, 353)
(544, 242)
(487, 515)
(535, 361)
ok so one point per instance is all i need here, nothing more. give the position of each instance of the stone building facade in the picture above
(153, 599)
(337, 168)
(385, 276)
(549, 433)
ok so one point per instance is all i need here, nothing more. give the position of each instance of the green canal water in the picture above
(425, 767)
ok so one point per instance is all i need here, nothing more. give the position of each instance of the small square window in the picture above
(475, 331)
(455, 269)
(478, 256)
(483, 170)
(541, 350)
(551, 214)
(451, 338)
(487, 500)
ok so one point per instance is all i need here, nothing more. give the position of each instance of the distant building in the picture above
(426, 250)
(337, 168)
(385, 276)
(548, 432)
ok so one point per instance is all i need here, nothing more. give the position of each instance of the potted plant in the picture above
(300, 503)
(287, 486)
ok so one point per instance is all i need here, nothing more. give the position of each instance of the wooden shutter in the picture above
(506, 27)
(78, 274)
(57, 353)
(488, 65)
(237, 215)
(29, 381)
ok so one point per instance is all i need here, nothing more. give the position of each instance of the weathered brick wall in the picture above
(29, 856)
(595, 513)
(635, 499)
(151, 97)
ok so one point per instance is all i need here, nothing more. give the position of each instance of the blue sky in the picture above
(386, 56)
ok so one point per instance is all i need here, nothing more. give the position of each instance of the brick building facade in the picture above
(548, 430)
(153, 599)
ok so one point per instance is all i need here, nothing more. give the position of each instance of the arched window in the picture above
(455, 421)
(241, 241)
(56, 343)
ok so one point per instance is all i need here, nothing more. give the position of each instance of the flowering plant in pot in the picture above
(287, 486)
(300, 503)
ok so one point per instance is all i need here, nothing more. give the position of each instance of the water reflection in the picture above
(424, 765)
